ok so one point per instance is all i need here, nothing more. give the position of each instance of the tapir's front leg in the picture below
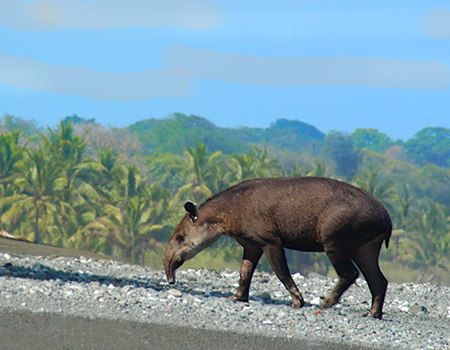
(252, 254)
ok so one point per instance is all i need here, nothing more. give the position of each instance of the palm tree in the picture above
(295, 171)
(51, 183)
(66, 147)
(370, 182)
(40, 181)
(426, 242)
(402, 208)
(320, 169)
(267, 167)
(224, 177)
(101, 179)
(199, 169)
(78, 196)
(134, 221)
(254, 164)
(244, 166)
(10, 154)
(401, 212)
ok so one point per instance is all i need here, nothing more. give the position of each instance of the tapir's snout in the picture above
(170, 274)
(170, 270)
(171, 263)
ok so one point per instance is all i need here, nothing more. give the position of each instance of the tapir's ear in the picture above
(191, 208)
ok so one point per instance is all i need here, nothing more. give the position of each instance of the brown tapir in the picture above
(306, 213)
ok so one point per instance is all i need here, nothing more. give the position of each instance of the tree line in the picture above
(94, 188)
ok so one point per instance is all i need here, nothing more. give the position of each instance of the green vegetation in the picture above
(120, 191)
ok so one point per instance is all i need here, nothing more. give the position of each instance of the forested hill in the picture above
(175, 133)
(172, 134)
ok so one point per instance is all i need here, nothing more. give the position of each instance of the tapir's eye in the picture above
(180, 239)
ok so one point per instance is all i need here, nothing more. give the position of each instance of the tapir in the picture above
(304, 213)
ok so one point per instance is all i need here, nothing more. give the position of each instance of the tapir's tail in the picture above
(389, 233)
(386, 241)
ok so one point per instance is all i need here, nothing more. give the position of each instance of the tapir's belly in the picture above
(301, 241)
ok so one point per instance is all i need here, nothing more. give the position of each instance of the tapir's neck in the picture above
(217, 214)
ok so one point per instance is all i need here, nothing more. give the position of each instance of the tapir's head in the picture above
(192, 235)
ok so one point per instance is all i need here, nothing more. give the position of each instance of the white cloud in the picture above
(49, 15)
(120, 87)
(307, 71)
(437, 24)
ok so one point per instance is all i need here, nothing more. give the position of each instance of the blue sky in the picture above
(338, 65)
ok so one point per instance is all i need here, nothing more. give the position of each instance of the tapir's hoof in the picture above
(374, 314)
(327, 303)
(297, 303)
(238, 298)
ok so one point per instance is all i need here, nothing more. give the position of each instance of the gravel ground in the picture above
(416, 316)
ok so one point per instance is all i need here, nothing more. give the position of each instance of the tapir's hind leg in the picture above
(366, 258)
(277, 259)
(346, 271)
(249, 261)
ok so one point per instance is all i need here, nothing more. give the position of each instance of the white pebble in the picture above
(315, 301)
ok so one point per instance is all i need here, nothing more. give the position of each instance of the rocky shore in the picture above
(416, 316)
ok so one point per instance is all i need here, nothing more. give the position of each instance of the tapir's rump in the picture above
(308, 213)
